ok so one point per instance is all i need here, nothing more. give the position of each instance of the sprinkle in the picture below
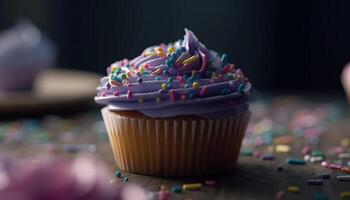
(195, 85)
(305, 150)
(293, 161)
(335, 166)
(171, 49)
(172, 95)
(325, 164)
(287, 139)
(345, 170)
(176, 189)
(246, 152)
(324, 176)
(123, 76)
(307, 157)
(293, 189)
(315, 159)
(267, 157)
(314, 181)
(345, 195)
(317, 153)
(163, 195)
(164, 86)
(129, 94)
(118, 173)
(164, 187)
(343, 177)
(125, 179)
(210, 183)
(116, 93)
(139, 80)
(344, 155)
(150, 53)
(320, 196)
(280, 195)
(190, 60)
(157, 78)
(193, 186)
(170, 80)
(282, 148)
(203, 91)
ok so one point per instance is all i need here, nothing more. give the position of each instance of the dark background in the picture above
(281, 45)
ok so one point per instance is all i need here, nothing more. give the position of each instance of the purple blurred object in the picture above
(24, 52)
(62, 179)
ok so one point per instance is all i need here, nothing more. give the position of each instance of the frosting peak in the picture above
(182, 77)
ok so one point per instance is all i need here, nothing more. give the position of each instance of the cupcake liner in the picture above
(173, 147)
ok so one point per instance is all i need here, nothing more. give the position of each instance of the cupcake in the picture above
(175, 110)
(24, 52)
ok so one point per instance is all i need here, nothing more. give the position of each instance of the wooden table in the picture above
(251, 179)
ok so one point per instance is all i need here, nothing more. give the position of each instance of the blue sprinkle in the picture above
(127, 65)
(320, 196)
(170, 80)
(267, 157)
(186, 86)
(157, 78)
(314, 182)
(168, 63)
(139, 80)
(161, 91)
(173, 56)
(118, 173)
(185, 77)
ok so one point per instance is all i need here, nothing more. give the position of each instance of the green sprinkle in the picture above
(317, 153)
(176, 189)
(246, 152)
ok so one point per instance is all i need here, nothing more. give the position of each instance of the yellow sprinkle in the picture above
(270, 149)
(293, 189)
(195, 85)
(345, 195)
(193, 186)
(282, 148)
(150, 53)
(142, 70)
(345, 142)
(171, 49)
(164, 86)
(190, 60)
(161, 54)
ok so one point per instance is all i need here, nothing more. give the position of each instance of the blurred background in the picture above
(281, 45)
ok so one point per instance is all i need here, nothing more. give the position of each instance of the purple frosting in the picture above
(181, 78)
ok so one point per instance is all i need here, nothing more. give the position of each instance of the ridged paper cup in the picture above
(175, 146)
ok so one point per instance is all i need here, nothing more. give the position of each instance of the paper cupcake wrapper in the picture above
(170, 147)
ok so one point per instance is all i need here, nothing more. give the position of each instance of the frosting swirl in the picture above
(181, 78)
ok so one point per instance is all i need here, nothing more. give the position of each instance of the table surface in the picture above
(320, 125)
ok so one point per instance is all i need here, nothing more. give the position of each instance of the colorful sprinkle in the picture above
(210, 183)
(281, 148)
(193, 186)
(203, 91)
(314, 182)
(293, 189)
(293, 161)
(195, 85)
(190, 60)
(118, 173)
(176, 189)
(345, 170)
(164, 86)
(280, 195)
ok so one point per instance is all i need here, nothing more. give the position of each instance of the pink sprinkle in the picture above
(210, 183)
(280, 195)
(203, 91)
(163, 195)
(129, 94)
(256, 154)
(325, 164)
(334, 166)
(116, 93)
(305, 150)
(172, 95)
